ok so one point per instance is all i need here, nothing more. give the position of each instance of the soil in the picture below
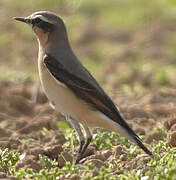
(22, 122)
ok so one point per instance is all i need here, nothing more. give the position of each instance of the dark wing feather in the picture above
(84, 90)
(93, 95)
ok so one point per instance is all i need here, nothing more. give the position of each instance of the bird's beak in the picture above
(22, 19)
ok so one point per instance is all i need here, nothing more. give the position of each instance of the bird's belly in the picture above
(57, 94)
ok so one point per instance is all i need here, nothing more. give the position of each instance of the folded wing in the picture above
(93, 95)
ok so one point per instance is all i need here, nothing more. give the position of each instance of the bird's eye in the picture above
(36, 21)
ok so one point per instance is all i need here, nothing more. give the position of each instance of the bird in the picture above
(70, 87)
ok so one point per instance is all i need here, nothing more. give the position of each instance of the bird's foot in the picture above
(78, 158)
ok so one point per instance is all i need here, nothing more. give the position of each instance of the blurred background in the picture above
(129, 45)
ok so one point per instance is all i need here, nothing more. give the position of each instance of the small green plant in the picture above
(106, 140)
(46, 162)
(8, 160)
(44, 131)
(162, 166)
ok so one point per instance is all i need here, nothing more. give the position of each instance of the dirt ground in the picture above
(22, 122)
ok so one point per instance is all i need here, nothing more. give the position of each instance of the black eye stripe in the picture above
(36, 21)
(46, 26)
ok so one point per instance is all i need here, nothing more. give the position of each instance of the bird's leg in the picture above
(81, 137)
(88, 140)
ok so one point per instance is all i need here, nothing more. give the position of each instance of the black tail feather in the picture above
(133, 135)
(141, 145)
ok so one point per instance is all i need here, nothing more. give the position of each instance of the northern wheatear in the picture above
(69, 86)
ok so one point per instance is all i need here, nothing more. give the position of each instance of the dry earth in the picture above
(22, 122)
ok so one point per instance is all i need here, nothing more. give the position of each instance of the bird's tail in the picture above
(138, 141)
(131, 135)
(119, 125)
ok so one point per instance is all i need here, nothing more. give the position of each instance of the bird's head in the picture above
(46, 25)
